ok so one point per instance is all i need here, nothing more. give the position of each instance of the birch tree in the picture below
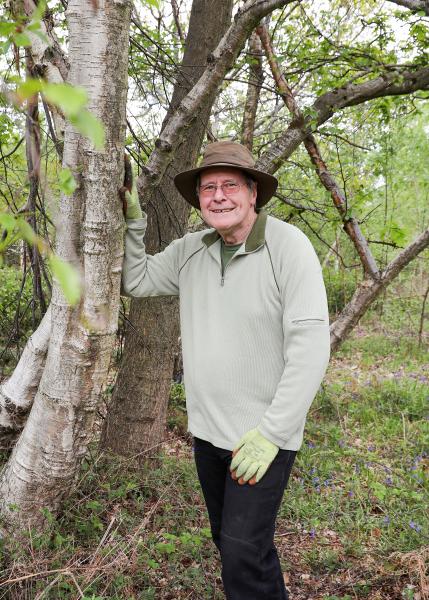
(46, 458)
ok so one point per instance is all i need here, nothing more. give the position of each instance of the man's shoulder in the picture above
(285, 235)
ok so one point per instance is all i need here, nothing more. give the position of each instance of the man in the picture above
(255, 340)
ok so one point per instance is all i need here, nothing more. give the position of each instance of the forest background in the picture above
(98, 485)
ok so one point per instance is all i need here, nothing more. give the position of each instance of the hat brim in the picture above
(186, 183)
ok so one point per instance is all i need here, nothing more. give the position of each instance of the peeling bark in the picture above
(47, 456)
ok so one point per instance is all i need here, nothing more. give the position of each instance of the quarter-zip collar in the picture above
(254, 240)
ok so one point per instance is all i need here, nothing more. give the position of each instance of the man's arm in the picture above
(144, 275)
(306, 354)
(306, 343)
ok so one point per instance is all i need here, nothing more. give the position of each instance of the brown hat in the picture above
(226, 154)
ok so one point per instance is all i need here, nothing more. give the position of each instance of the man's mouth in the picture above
(222, 210)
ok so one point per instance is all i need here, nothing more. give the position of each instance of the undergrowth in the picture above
(353, 522)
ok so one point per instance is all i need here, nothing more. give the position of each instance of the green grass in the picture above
(353, 523)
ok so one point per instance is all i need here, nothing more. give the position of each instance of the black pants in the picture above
(242, 519)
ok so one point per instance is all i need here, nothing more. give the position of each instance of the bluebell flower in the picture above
(415, 526)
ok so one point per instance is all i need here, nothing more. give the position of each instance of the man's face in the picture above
(229, 209)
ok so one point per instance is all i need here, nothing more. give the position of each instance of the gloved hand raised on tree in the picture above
(128, 193)
(251, 457)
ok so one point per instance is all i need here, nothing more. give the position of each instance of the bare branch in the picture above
(414, 5)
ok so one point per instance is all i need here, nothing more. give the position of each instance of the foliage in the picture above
(16, 314)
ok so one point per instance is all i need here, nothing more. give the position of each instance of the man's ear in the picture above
(255, 193)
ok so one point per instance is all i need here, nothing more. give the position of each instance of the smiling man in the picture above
(255, 341)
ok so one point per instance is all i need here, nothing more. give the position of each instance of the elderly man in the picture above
(255, 339)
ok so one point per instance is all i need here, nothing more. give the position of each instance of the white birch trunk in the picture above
(17, 392)
(46, 457)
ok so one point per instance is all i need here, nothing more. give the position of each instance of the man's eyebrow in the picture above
(232, 180)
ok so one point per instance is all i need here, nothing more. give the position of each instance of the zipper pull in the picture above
(222, 281)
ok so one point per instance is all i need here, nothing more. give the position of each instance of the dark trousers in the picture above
(242, 519)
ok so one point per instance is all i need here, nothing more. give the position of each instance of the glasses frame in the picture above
(203, 193)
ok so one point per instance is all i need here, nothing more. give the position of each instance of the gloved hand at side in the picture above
(251, 457)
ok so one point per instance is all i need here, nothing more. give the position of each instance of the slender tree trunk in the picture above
(136, 418)
(47, 456)
(256, 77)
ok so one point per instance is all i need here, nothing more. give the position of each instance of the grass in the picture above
(353, 523)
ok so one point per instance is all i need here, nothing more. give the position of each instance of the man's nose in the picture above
(219, 194)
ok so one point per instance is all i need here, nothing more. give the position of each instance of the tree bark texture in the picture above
(17, 393)
(256, 78)
(46, 458)
(135, 422)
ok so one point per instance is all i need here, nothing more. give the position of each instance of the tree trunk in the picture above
(136, 418)
(47, 456)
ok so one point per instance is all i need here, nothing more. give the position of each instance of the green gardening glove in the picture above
(252, 456)
(128, 193)
(132, 204)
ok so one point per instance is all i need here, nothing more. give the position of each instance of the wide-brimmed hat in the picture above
(226, 154)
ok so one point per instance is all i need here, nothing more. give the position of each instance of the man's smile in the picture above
(221, 210)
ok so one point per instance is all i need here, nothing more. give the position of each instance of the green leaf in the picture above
(21, 39)
(39, 11)
(70, 99)
(7, 221)
(28, 88)
(6, 27)
(90, 126)
(154, 3)
(67, 182)
(67, 277)
(27, 231)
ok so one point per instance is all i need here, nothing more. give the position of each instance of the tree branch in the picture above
(256, 78)
(369, 290)
(414, 5)
(351, 226)
(396, 82)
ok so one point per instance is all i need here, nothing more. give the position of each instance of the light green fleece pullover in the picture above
(256, 341)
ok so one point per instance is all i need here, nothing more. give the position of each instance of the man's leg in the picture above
(242, 520)
(212, 467)
(250, 564)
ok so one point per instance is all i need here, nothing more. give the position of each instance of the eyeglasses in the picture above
(229, 188)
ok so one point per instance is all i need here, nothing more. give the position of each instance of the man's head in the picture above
(227, 198)
(229, 155)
